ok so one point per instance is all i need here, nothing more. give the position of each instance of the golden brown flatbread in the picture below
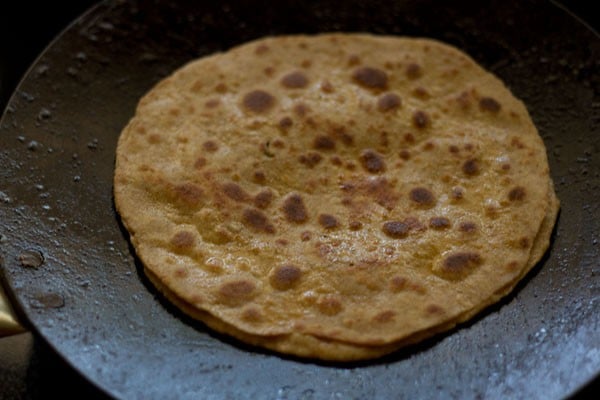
(334, 196)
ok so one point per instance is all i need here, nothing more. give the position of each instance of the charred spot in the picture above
(257, 221)
(420, 119)
(294, 209)
(428, 146)
(524, 243)
(183, 240)
(470, 167)
(395, 229)
(189, 193)
(439, 223)
(489, 104)
(235, 192)
(210, 145)
(295, 80)
(388, 102)
(453, 149)
(381, 190)
(413, 71)
(517, 194)
(328, 221)
(422, 196)
(404, 154)
(323, 143)
(372, 161)
(258, 101)
(285, 277)
(467, 227)
(263, 199)
(370, 78)
(236, 292)
(459, 263)
(310, 159)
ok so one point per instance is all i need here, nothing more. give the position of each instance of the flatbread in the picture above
(334, 196)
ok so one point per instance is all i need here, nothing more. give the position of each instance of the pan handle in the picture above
(8, 320)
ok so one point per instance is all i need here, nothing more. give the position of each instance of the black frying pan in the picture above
(70, 271)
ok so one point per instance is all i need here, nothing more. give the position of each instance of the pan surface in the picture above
(72, 275)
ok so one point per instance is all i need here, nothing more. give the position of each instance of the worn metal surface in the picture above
(72, 275)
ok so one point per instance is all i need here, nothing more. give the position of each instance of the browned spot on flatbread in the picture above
(200, 162)
(384, 316)
(257, 221)
(329, 305)
(285, 123)
(183, 240)
(310, 159)
(235, 293)
(188, 193)
(372, 161)
(434, 309)
(467, 227)
(413, 71)
(422, 196)
(252, 315)
(235, 192)
(328, 221)
(439, 223)
(285, 277)
(524, 242)
(181, 273)
(355, 225)
(259, 177)
(489, 104)
(261, 49)
(388, 102)
(395, 229)
(258, 101)
(420, 119)
(517, 194)
(295, 80)
(398, 283)
(301, 109)
(327, 87)
(294, 209)
(210, 145)
(458, 264)
(323, 142)
(263, 198)
(370, 78)
(470, 167)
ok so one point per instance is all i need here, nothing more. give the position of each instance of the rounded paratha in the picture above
(334, 196)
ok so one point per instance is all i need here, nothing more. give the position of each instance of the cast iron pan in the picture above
(67, 263)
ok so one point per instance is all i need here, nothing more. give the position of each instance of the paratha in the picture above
(334, 196)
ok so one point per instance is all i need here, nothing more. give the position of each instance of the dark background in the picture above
(29, 369)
